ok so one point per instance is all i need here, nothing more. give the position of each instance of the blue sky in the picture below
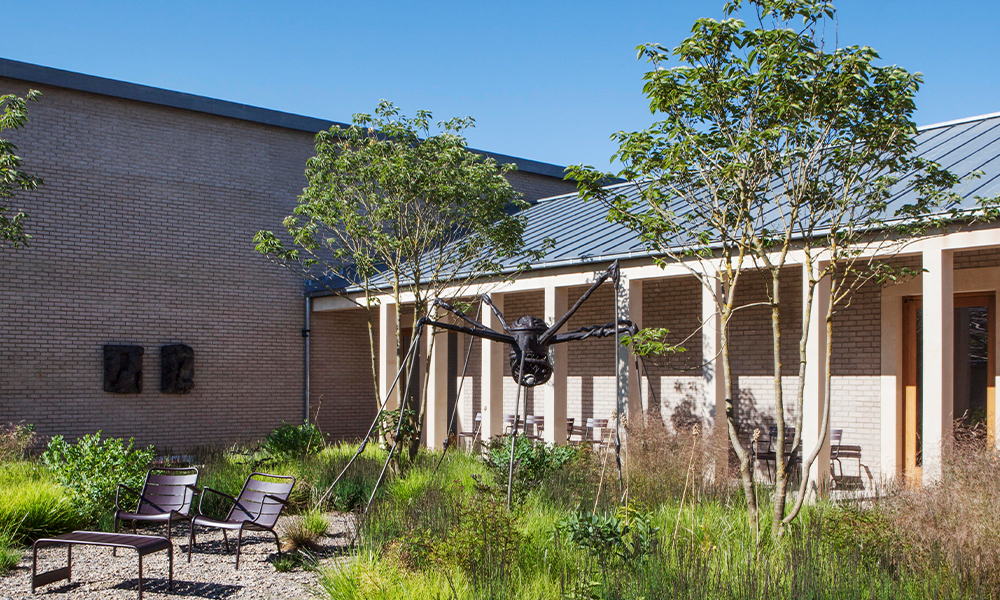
(545, 80)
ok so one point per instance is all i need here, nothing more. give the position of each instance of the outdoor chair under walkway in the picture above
(257, 508)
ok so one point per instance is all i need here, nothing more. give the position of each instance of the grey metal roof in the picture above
(583, 234)
(70, 80)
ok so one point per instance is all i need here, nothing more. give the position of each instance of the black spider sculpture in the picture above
(529, 338)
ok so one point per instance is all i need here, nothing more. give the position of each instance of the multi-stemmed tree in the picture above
(392, 206)
(774, 147)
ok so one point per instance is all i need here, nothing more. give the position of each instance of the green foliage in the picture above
(293, 441)
(651, 341)
(388, 423)
(13, 178)
(92, 468)
(32, 505)
(533, 464)
(628, 534)
(389, 195)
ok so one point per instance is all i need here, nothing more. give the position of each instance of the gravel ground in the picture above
(211, 574)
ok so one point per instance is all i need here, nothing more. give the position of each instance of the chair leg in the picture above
(225, 538)
(239, 542)
(277, 542)
(190, 538)
(114, 551)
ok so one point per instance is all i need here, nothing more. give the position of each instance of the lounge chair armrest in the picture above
(128, 489)
(214, 491)
(283, 502)
(193, 488)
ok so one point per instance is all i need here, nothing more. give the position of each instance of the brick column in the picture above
(634, 375)
(814, 402)
(436, 341)
(388, 363)
(491, 388)
(938, 357)
(554, 391)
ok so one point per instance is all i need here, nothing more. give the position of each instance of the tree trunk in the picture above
(780, 468)
(745, 458)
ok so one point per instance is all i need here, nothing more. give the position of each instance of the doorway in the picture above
(974, 374)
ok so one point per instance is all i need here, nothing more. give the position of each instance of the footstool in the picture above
(142, 544)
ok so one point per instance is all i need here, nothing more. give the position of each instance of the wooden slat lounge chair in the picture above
(166, 497)
(257, 508)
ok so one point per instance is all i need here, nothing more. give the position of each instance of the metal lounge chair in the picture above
(257, 508)
(166, 497)
(473, 436)
(534, 426)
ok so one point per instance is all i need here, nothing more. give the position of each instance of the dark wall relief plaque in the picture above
(176, 369)
(123, 369)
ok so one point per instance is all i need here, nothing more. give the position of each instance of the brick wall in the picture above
(342, 394)
(534, 186)
(143, 235)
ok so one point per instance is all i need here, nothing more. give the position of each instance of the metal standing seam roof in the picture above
(583, 234)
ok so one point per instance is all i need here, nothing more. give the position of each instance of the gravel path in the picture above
(211, 574)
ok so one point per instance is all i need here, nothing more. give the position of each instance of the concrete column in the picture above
(634, 375)
(938, 357)
(388, 363)
(554, 391)
(814, 401)
(437, 388)
(491, 388)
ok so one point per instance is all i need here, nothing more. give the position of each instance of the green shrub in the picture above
(627, 534)
(92, 468)
(533, 464)
(293, 441)
(32, 505)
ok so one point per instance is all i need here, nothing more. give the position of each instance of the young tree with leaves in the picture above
(773, 150)
(14, 179)
(393, 206)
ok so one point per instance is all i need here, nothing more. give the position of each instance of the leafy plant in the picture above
(290, 441)
(388, 423)
(626, 534)
(533, 464)
(13, 178)
(92, 468)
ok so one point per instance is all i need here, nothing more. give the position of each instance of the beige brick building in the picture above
(898, 381)
(142, 235)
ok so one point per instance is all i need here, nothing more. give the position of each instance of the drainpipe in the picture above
(305, 337)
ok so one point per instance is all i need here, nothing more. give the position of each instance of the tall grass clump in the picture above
(33, 504)
(10, 554)
(955, 522)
